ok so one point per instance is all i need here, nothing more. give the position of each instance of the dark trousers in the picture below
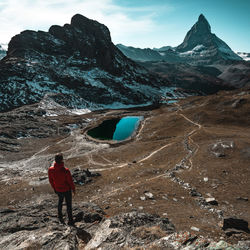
(68, 198)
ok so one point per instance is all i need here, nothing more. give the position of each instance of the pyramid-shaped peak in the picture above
(202, 25)
(202, 18)
(200, 33)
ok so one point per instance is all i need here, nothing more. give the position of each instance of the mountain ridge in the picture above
(77, 65)
(199, 46)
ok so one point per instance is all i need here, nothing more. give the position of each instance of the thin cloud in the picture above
(16, 16)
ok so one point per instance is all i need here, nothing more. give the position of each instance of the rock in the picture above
(205, 179)
(130, 230)
(195, 229)
(244, 245)
(238, 102)
(148, 195)
(221, 245)
(219, 148)
(35, 226)
(230, 231)
(211, 201)
(165, 197)
(81, 176)
(235, 223)
(195, 193)
(143, 198)
(242, 199)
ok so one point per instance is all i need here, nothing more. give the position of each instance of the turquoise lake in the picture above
(116, 129)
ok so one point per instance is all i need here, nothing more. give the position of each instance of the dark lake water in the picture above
(116, 129)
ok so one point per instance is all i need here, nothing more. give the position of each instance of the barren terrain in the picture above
(181, 154)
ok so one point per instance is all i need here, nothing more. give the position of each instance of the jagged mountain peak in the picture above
(202, 24)
(200, 42)
(200, 33)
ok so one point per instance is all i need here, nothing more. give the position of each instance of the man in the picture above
(61, 181)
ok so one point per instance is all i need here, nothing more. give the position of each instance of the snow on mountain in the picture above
(245, 56)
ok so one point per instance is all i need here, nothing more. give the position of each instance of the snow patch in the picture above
(245, 56)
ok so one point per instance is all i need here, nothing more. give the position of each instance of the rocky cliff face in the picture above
(77, 65)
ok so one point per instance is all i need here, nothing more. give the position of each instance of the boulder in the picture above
(235, 223)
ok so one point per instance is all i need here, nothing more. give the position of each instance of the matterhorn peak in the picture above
(202, 25)
(200, 33)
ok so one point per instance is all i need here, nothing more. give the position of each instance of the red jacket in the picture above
(60, 178)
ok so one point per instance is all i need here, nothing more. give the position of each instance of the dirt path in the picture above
(187, 142)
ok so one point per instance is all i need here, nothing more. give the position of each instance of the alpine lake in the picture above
(117, 129)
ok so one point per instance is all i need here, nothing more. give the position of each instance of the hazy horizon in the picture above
(143, 24)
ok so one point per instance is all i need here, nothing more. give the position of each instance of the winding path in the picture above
(187, 142)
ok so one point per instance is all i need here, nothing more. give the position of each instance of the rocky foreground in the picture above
(35, 226)
(180, 183)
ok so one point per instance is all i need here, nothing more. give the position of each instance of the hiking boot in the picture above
(60, 218)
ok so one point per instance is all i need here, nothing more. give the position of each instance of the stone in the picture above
(211, 201)
(149, 195)
(131, 230)
(235, 223)
(195, 229)
(82, 176)
(195, 193)
(242, 198)
(165, 197)
(220, 148)
(143, 198)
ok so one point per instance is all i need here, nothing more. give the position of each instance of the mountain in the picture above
(2, 51)
(138, 54)
(202, 79)
(201, 43)
(202, 61)
(199, 47)
(76, 65)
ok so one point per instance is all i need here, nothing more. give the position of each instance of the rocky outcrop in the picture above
(36, 226)
(77, 65)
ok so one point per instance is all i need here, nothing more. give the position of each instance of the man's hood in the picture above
(58, 165)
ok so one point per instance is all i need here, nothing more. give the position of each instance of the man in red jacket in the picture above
(61, 181)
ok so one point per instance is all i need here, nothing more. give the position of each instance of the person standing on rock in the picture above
(61, 181)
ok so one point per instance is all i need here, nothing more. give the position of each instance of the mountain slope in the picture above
(77, 65)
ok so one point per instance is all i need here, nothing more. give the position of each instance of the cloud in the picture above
(123, 22)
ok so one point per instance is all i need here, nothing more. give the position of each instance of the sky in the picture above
(137, 23)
